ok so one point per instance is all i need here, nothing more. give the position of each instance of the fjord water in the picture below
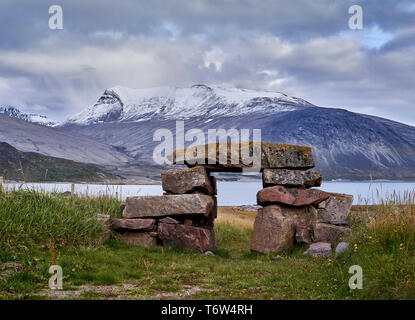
(231, 193)
(242, 193)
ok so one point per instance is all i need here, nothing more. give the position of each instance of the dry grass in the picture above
(394, 211)
(240, 219)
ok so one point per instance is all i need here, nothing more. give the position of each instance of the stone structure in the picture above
(182, 217)
(290, 210)
(293, 212)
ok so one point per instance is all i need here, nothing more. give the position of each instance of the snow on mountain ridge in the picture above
(29, 117)
(126, 104)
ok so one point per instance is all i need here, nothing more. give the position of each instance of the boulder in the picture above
(142, 239)
(319, 249)
(277, 227)
(290, 196)
(291, 178)
(133, 224)
(273, 156)
(342, 247)
(274, 230)
(104, 220)
(168, 205)
(330, 233)
(189, 237)
(180, 181)
(336, 208)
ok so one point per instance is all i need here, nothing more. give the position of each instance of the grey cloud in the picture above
(295, 19)
(26, 20)
(292, 46)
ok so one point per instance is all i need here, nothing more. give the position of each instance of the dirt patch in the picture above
(186, 292)
(113, 292)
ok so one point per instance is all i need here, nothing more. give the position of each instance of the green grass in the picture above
(385, 250)
(30, 220)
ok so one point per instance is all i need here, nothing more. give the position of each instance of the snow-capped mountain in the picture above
(125, 104)
(345, 144)
(29, 117)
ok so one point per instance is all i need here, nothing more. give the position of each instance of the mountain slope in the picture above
(29, 117)
(29, 137)
(30, 166)
(345, 144)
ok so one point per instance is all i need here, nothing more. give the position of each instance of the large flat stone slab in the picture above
(189, 237)
(168, 205)
(273, 156)
(133, 224)
(286, 156)
(291, 178)
(290, 196)
(180, 181)
(142, 239)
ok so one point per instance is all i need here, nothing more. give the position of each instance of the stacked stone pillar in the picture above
(289, 209)
(182, 217)
(293, 212)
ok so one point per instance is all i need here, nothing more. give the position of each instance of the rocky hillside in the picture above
(30, 137)
(30, 166)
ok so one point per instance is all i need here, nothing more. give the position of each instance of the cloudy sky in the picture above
(300, 47)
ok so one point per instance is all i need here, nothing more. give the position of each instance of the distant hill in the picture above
(34, 167)
(31, 137)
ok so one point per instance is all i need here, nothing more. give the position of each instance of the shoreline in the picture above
(146, 182)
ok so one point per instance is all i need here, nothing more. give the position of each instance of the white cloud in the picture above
(214, 57)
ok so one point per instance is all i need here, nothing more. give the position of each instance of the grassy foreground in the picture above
(37, 230)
